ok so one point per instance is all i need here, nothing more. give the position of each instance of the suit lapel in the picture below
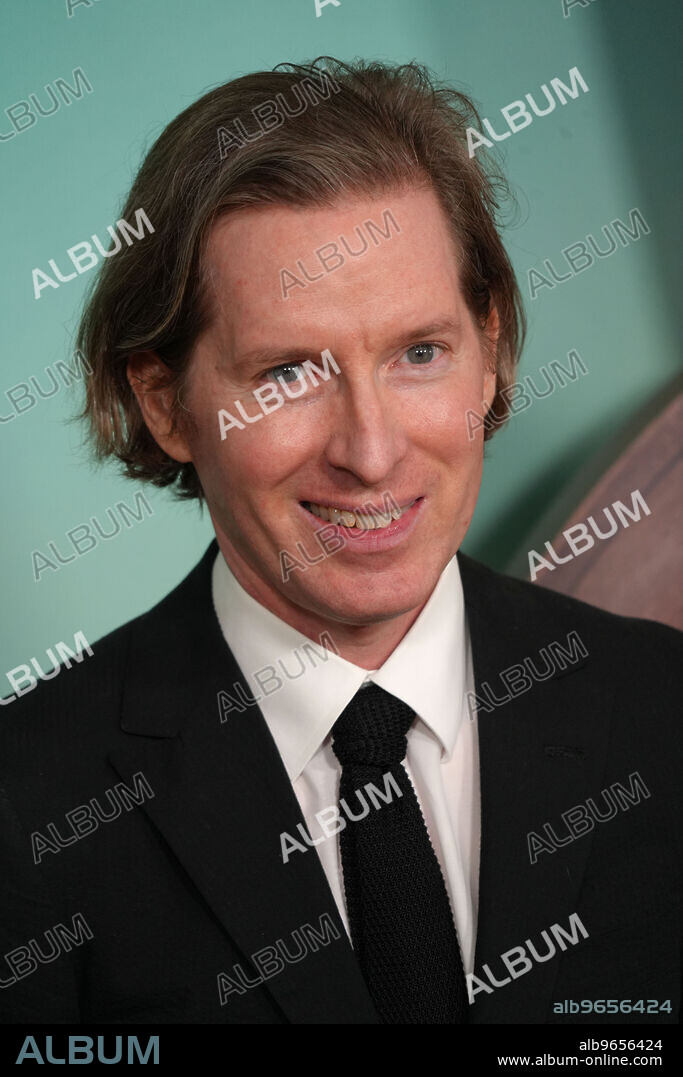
(541, 754)
(222, 798)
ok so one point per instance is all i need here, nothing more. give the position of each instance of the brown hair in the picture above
(375, 127)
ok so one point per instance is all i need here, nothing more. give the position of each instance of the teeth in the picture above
(364, 521)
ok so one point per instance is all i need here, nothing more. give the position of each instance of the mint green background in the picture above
(575, 170)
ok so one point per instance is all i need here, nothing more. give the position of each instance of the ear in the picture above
(148, 377)
(491, 331)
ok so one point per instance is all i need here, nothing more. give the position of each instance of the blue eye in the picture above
(421, 353)
(288, 372)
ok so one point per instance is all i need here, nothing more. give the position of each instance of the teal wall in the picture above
(65, 177)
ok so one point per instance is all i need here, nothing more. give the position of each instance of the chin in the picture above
(364, 606)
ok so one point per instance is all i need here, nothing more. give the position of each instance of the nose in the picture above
(366, 436)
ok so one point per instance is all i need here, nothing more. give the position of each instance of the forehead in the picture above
(253, 256)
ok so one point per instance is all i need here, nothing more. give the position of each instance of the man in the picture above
(342, 774)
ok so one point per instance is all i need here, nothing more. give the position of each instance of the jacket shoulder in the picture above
(82, 703)
(84, 694)
(533, 612)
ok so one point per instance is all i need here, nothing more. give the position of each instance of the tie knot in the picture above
(372, 729)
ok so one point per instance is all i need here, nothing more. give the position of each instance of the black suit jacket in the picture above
(191, 882)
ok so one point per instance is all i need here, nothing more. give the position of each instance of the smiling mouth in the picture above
(359, 518)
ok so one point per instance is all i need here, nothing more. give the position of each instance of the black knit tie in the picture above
(399, 913)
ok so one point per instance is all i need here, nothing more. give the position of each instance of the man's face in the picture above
(412, 363)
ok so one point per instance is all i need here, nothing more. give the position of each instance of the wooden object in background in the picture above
(637, 572)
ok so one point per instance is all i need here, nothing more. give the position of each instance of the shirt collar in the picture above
(302, 688)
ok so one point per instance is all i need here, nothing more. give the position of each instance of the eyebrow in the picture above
(433, 329)
(271, 357)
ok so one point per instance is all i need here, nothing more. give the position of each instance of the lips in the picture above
(361, 519)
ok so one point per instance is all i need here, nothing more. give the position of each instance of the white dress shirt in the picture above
(430, 670)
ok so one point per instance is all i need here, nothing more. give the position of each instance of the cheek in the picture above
(264, 453)
(438, 420)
